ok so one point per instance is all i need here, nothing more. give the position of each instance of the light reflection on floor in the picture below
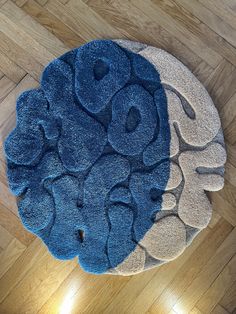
(67, 303)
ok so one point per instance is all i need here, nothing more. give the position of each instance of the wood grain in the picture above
(201, 34)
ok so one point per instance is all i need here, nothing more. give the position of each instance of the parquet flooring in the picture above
(200, 33)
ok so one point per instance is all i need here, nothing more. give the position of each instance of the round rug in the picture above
(112, 154)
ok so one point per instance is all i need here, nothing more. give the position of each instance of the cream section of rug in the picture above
(197, 155)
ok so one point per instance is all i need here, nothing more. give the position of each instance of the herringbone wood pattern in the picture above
(202, 34)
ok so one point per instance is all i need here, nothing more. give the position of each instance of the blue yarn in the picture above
(109, 171)
(88, 134)
(103, 87)
(120, 237)
(121, 194)
(158, 149)
(89, 156)
(132, 142)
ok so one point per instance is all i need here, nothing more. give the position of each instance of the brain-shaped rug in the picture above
(112, 154)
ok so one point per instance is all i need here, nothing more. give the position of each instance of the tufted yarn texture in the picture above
(112, 154)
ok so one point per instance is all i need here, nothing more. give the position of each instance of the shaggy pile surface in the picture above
(112, 154)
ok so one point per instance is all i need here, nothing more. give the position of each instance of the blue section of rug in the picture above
(89, 154)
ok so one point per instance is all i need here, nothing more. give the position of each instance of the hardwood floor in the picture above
(202, 34)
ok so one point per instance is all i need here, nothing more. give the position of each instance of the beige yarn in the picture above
(184, 204)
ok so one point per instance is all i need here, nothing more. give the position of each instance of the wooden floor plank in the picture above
(3, 177)
(199, 29)
(13, 225)
(40, 293)
(163, 279)
(130, 292)
(63, 296)
(6, 86)
(219, 287)
(219, 310)
(188, 38)
(220, 9)
(19, 3)
(142, 296)
(20, 268)
(230, 133)
(106, 294)
(195, 310)
(5, 237)
(217, 84)
(8, 256)
(191, 269)
(203, 71)
(11, 69)
(36, 284)
(7, 199)
(230, 173)
(208, 274)
(78, 16)
(53, 24)
(228, 194)
(229, 299)
(88, 292)
(224, 208)
(231, 150)
(135, 25)
(215, 218)
(39, 33)
(42, 2)
(8, 105)
(23, 40)
(215, 22)
(2, 2)
(19, 56)
(228, 112)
